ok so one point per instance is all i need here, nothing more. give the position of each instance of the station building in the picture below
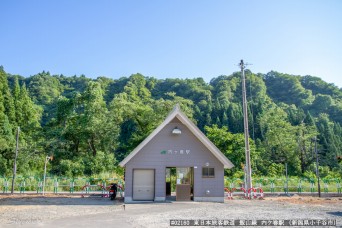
(175, 154)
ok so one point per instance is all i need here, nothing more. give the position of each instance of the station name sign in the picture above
(181, 152)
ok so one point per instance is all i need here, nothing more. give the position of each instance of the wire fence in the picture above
(87, 185)
(55, 184)
(293, 185)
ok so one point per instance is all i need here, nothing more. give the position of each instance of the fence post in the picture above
(103, 186)
(22, 186)
(338, 186)
(6, 184)
(312, 185)
(300, 186)
(40, 186)
(272, 185)
(72, 184)
(87, 186)
(55, 186)
(326, 182)
(286, 186)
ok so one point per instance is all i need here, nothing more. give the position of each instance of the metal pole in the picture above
(15, 160)
(287, 180)
(317, 168)
(245, 123)
(46, 160)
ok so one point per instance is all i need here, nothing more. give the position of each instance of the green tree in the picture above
(288, 89)
(279, 139)
(321, 104)
(306, 132)
(330, 139)
(232, 146)
(6, 115)
(94, 119)
(7, 106)
(31, 113)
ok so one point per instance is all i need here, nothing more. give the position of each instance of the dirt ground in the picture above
(95, 211)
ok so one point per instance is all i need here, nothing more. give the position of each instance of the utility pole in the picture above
(15, 160)
(248, 183)
(317, 169)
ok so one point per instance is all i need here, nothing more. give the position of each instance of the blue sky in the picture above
(175, 38)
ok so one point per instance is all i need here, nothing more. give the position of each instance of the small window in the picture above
(208, 172)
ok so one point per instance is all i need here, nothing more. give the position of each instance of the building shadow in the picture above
(336, 213)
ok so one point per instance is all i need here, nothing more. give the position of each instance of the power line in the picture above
(252, 111)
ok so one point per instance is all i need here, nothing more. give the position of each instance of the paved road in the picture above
(103, 213)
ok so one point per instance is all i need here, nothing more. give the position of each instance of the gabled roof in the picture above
(176, 112)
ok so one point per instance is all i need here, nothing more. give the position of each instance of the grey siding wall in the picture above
(151, 157)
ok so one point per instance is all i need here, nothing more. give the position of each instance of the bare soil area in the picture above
(95, 211)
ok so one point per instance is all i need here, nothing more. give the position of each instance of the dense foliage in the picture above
(91, 124)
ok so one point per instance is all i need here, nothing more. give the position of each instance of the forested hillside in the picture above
(89, 125)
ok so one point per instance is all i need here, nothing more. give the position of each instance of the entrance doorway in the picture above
(179, 183)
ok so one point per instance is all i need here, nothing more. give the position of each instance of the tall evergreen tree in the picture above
(30, 112)
(7, 99)
(18, 102)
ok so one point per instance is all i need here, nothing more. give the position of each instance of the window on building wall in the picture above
(208, 172)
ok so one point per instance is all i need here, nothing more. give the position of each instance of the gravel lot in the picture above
(73, 211)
